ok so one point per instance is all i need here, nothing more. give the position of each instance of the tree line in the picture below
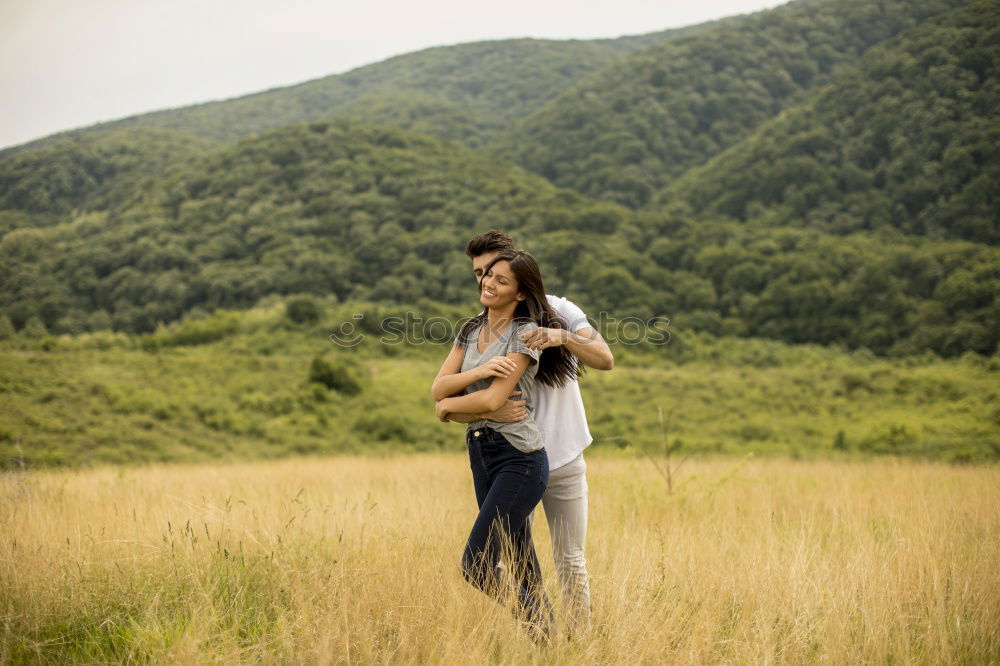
(373, 214)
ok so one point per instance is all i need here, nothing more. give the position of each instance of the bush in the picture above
(35, 328)
(853, 382)
(384, 428)
(335, 376)
(198, 331)
(755, 432)
(6, 328)
(303, 311)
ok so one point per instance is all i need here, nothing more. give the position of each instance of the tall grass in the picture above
(355, 560)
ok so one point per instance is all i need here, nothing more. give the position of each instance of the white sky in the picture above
(70, 63)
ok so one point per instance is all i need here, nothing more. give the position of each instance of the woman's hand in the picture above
(498, 366)
(440, 409)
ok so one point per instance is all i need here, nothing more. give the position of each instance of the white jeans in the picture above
(565, 502)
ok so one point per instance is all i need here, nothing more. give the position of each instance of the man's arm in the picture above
(586, 343)
(590, 347)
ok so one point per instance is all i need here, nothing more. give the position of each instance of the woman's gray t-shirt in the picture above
(523, 435)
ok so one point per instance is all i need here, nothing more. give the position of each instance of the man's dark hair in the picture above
(491, 241)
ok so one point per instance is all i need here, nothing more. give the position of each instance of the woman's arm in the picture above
(450, 380)
(490, 398)
(513, 409)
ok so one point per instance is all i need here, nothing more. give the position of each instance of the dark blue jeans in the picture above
(509, 483)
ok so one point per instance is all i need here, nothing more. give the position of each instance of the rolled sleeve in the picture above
(518, 345)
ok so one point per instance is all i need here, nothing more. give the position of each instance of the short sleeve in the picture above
(463, 342)
(516, 344)
(575, 318)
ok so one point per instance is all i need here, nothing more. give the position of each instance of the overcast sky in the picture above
(70, 63)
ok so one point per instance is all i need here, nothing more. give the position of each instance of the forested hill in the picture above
(643, 121)
(95, 171)
(909, 138)
(853, 201)
(326, 208)
(464, 92)
(370, 214)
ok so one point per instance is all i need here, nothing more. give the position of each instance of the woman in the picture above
(510, 470)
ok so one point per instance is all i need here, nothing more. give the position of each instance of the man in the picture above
(561, 418)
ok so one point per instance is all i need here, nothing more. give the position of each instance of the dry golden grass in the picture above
(355, 560)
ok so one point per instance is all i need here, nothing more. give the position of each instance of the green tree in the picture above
(303, 310)
(34, 328)
(336, 376)
(6, 328)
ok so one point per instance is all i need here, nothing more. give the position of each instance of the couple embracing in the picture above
(512, 377)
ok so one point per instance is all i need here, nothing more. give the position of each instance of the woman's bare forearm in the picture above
(466, 417)
(473, 403)
(448, 385)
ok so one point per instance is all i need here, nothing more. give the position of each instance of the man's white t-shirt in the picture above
(559, 411)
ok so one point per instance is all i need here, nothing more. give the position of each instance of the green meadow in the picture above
(260, 384)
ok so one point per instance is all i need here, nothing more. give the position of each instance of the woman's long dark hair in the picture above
(557, 365)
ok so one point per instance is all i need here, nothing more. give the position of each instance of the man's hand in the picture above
(543, 338)
(512, 410)
(586, 343)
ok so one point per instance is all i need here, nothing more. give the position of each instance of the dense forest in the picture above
(368, 213)
(848, 199)
(641, 122)
(907, 139)
(91, 172)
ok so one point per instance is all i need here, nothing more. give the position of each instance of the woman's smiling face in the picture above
(499, 286)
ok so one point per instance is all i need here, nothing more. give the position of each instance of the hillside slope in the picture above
(643, 121)
(324, 208)
(464, 92)
(91, 172)
(239, 385)
(367, 213)
(909, 138)
(135, 227)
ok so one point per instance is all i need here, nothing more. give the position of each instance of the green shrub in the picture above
(755, 432)
(200, 331)
(889, 438)
(35, 328)
(384, 428)
(303, 311)
(853, 382)
(336, 376)
(6, 328)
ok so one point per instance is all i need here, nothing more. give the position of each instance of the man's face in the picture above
(481, 262)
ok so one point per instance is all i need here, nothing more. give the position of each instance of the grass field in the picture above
(355, 560)
(236, 385)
